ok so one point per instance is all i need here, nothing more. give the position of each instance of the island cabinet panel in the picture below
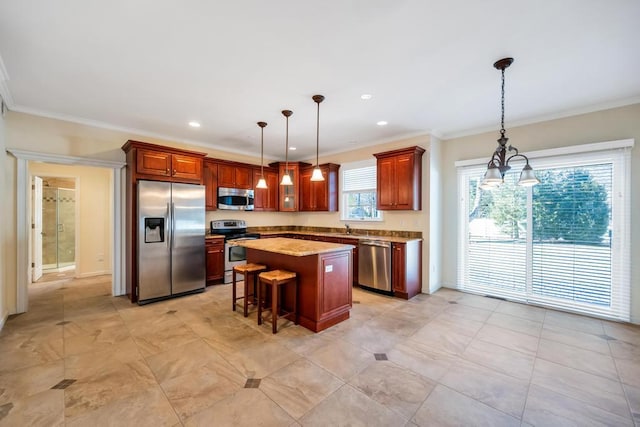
(214, 249)
(320, 196)
(399, 179)
(334, 298)
(210, 175)
(324, 284)
(406, 267)
(266, 199)
(235, 176)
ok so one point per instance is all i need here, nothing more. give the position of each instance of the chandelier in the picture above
(499, 163)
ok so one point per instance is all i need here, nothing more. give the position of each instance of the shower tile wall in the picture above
(58, 226)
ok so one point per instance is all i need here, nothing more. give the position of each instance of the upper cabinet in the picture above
(235, 176)
(319, 195)
(163, 163)
(266, 199)
(399, 175)
(288, 196)
(211, 184)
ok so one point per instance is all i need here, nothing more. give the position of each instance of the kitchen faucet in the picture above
(348, 228)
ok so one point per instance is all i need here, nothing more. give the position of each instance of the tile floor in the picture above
(80, 357)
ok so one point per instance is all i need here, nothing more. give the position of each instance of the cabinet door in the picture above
(354, 261)
(150, 162)
(306, 191)
(266, 199)
(215, 259)
(398, 268)
(186, 167)
(289, 193)
(226, 176)
(404, 180)
(244, 177)
(386, 184)
(211, 185)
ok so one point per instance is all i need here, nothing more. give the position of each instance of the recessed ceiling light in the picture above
(292, 148)
(366, 96)
(382, 123)
(194, 124)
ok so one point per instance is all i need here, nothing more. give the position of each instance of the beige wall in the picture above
(94, 208)
(4, 243)
(608, 125)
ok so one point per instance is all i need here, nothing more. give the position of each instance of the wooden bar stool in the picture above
(249, 271)
(276, 279)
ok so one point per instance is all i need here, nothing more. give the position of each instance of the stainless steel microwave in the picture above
(236, 199)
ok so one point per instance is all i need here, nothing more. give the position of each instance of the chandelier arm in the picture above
(518, 155)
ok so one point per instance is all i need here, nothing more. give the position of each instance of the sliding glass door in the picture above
(563, 243)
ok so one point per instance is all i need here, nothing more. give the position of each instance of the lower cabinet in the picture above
(406, 269)
(214, 249)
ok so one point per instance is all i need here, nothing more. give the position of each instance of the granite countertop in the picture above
(294, 247)
(354, 236)
(214, 236)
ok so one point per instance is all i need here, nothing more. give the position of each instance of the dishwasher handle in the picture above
(375, 243)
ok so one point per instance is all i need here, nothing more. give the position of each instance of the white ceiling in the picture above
(152, 66)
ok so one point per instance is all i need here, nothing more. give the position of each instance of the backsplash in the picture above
(340, 230)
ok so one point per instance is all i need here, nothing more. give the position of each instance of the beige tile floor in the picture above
(453, 359)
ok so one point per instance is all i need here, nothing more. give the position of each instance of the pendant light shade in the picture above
(261, 182)
(317, 173)
(527, 177)
(286, 179)
(498, 166)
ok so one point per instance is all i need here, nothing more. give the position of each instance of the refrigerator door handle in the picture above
(173, 225)
(169, 227)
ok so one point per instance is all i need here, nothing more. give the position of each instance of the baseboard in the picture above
(3, 319)
(92, 274)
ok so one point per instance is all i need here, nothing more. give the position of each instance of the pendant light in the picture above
(317, 173)
(261, 182)
(286, 179)
(499, 163)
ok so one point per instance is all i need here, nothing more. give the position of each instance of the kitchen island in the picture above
(324, 276)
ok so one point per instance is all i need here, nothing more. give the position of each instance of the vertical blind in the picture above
(563, 243)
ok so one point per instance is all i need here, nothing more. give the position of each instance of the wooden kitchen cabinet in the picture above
(399, 176)
(266, 199)
(210, 177)
(214, 248)
(406, 268)
(288, 194)
(164, 163)
(353, 242)
(235, 176)
(321, 196)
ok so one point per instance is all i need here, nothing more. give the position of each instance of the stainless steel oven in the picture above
(233, 230)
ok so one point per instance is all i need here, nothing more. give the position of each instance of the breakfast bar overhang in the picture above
(324, 272)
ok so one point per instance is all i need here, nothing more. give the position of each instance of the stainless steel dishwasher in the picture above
(374, 264)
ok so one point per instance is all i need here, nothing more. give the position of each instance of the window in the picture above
(359, 192)
(563, 243)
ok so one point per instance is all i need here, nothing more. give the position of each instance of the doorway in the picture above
(58, 234)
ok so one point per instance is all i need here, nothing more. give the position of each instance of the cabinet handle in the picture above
(174, 171)
(168, 171)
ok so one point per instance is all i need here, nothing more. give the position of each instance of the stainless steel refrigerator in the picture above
(171, 233)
